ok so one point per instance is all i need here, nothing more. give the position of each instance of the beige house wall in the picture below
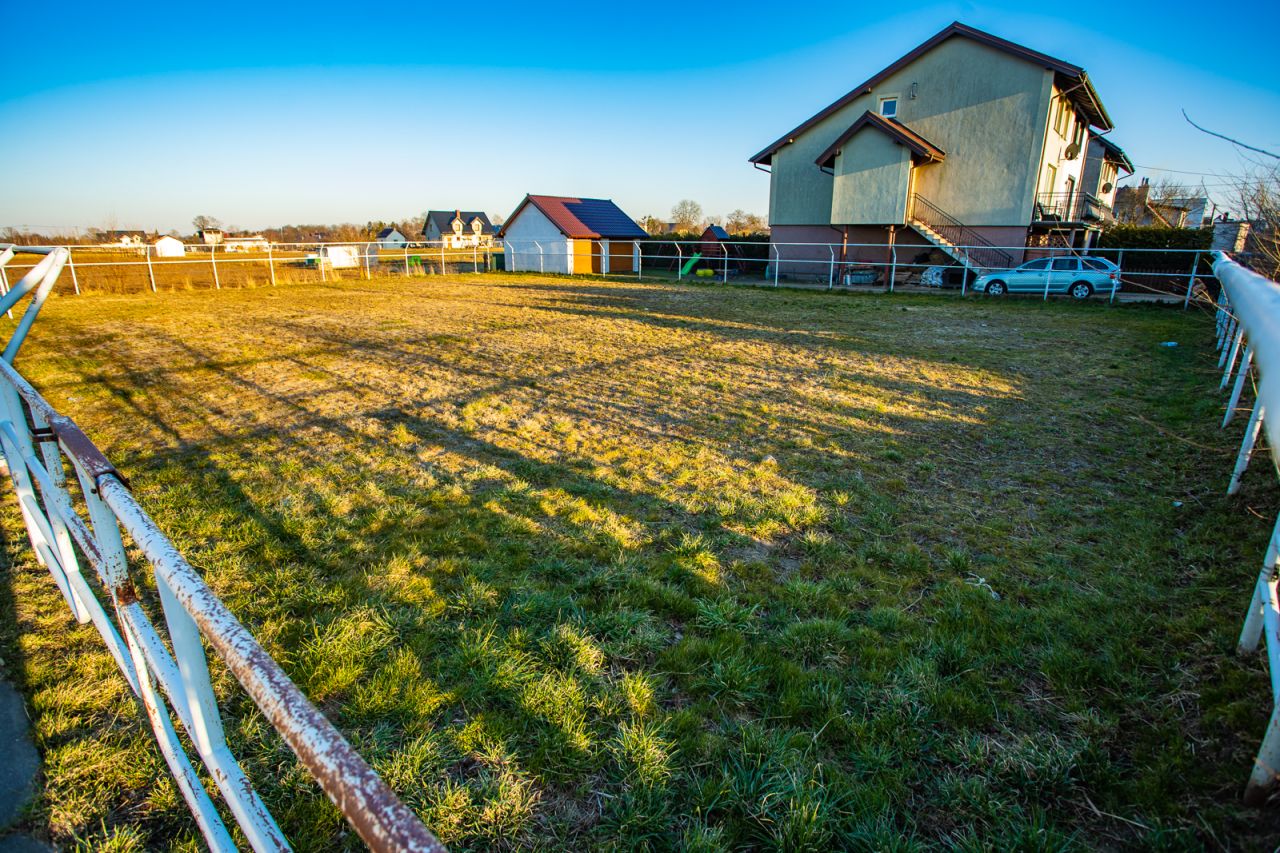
(986, 109)
(873, 176)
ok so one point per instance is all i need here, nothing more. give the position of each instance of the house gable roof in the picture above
(921, 148)
(582, 217)
(443, 220)
(1087, 97)
(1115, 154)
(715, 232)
(387, 232)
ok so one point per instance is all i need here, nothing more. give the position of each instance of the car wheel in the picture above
(996, 288)
(1082, 290)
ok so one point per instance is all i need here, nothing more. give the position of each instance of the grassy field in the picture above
(588, 565)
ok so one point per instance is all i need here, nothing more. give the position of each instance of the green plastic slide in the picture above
(691, 263)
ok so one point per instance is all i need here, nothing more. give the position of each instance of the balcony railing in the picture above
(1070, 207)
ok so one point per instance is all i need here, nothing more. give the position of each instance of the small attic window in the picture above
(889, 107)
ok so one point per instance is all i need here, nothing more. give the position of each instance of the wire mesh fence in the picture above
(1141, 274)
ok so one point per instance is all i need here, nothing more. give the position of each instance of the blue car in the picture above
(1079, 276)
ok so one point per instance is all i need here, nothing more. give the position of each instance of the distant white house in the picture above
(250, 243)
(124, 239)
(210, 236)
(390, 238)
(169, 247)
(458, 228)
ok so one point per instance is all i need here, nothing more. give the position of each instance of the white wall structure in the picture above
(340, 257)
(169, 247)
(528, 232)
(254, 243)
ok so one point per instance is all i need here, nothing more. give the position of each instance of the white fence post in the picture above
(1115, 282)
(831, 271)
(893, 265)
(1239, 386)
(75, 283)
(368, 247)
(1226, 340)
(1191, 281)
(679, 262)
(151, 274)
(639, 260)
(777, 263)
(271, 265)
(1231, 359)
(213, 261)
(1246, 446)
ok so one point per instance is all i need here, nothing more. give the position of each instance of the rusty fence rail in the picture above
(77, 507)
(1248, 343)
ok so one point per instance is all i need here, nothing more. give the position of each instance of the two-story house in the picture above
(967, 140)
(458, 228)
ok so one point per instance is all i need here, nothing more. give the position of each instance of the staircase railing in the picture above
(976, 249)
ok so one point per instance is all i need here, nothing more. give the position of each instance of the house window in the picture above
(457, 226)
(1062, 121)
(889, 107)
(476, 225)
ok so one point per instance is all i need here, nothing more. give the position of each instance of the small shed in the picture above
(714, 241)
(340, 257)
(563, 234)
(169, 247)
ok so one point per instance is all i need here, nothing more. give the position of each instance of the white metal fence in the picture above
(1248, 341)
(1168, 274)
(85, 517)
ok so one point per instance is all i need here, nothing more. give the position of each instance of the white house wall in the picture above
(530, 230)
(1055, 151)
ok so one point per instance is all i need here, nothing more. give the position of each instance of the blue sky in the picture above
(269, 114)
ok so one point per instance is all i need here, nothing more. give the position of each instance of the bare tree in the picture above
(206, 223)
(1257, 195)
(687, 215)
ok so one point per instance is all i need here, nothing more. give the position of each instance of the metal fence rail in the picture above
(1248, 341)
(1145, 273)
(1169, 274)
(171, 681)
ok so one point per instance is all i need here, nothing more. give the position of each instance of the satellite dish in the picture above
(1108, 187)
(1073, 151)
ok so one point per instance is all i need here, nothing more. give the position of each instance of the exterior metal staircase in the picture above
(955, 238)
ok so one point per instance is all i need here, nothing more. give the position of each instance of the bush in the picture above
(1177, 241)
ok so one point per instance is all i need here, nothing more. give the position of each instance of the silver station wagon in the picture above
(1080, 277)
